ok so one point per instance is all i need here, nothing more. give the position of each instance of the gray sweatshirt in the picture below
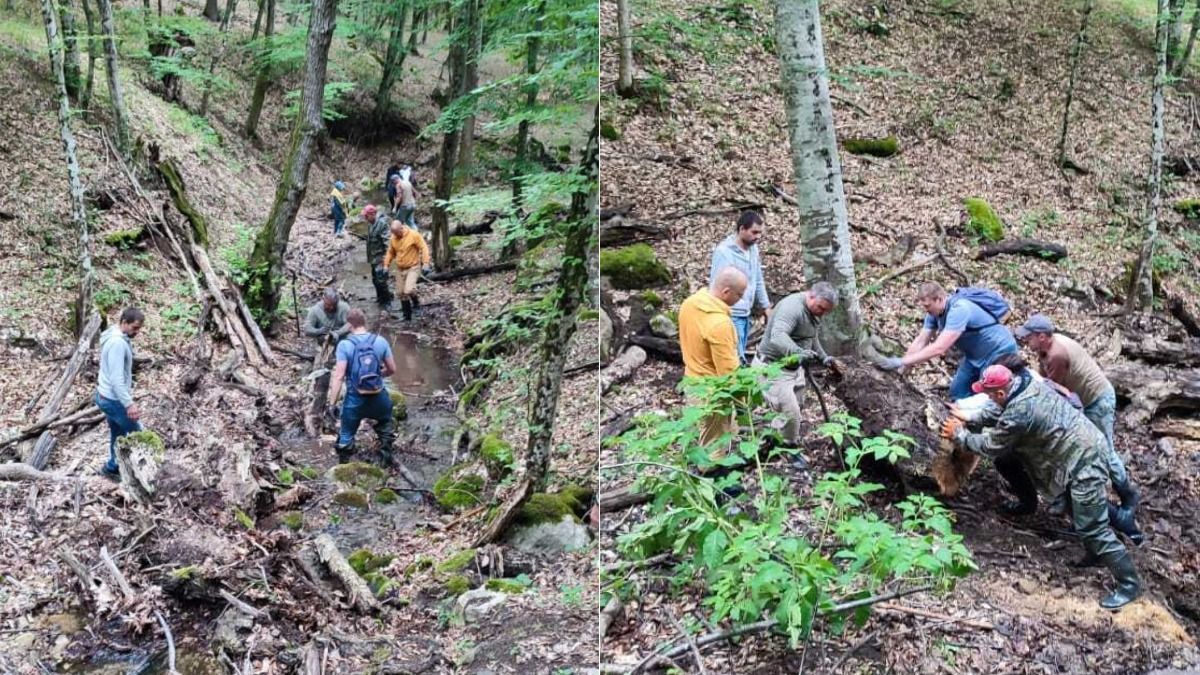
(318, 323)
(116, 367)
(792, 329)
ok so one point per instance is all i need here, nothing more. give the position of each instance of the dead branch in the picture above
(622, 368)
(940, 245)
(1179, 310)
(170, 643)
(115, 573)
(736, 207)
(927, 614)
(660, 348)
(622, 498)
(243, 606)
(608, 616)
(484, 226)
(621, 210)
(688, 638)
(1043, 250)
(22, 471)
(359, 593)
(911, 267)
(619, 232)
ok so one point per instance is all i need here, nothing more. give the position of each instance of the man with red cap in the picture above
(378, 236)
(1063, 453)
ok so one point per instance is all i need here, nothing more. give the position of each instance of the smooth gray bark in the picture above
(1141, 290)
(120, 117)
(625, 57)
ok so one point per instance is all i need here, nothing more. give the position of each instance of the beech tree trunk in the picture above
(820, 196)
(1141, 287)
(474, 27)
(418, 14)
(1174, 32)
(83, 302)
(393, 62)
(1181, 65)
(456, 59)
(1076, 52)
(263, 80)
(120, 118)
(532, 47)
(212, 11)
(271, 242)
(93, 47)
(258, 20)
(230, 8)
(572, 285)
(625, 59)
(72, 73)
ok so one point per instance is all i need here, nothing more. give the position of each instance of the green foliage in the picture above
(124, 239)
(330, 101)
(131, 272)
(1189, 208)
(982, 221)
(633, 266)
(875, 147)
(386, 496)
(769, 564)
(509, 586)
(572, 595)
(285, 477)
(110, 297)
(190, 124)
(1035, 220)
(293, 520)
(458, 488)
(243, 519)
(457, 585)
(497, 456)
(608, 131)
(310, 473)
(179, 319)
(364, 561)
(399, 405)
(457, 562)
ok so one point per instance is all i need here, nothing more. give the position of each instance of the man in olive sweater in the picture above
(792, 330)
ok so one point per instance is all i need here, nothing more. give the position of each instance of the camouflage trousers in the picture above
(1088, 488)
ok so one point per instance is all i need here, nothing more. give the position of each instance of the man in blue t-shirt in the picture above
(961, 324)
(357, 406)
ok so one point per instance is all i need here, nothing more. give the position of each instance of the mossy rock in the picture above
(147, 439)
(497, 456)
(471, 392)
(419, 565)
(578, 496)
(399, 405)
(460, 487)
(1189, 208)
(310, 473)
(651, 298)
(982, 219)
(875, 147)
(359, 474)
(386, 496)
(457, 585)
(364, 561)
(379, 583)
(293, 520)
(508, 586)
(633, 266)
(609, 131)
(124, 239)
(352, 497)
(543, 507)
(457, 562)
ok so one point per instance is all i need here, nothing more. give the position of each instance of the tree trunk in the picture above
(258, 20)
(824, 221)
(263, 80)
(1181, 66)
(572, 285)
(1076, 51)
(230, 8)
(1140, 296)
(392, 62)
(212, 11)
(83, 302)
(72, 73)
(625, 39)
(445, 184)
(120, 118)
(1174, 31)
(474, 27)
(272, 240)
(93, 53)
(532, 46)
(418, 14)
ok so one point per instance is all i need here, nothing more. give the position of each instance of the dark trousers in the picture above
(382, 283)
(356, 408)
(119, 425)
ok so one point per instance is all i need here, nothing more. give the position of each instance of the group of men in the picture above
(1048, 432)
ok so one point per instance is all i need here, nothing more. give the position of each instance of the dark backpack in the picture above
(366, 376)
(985, 298)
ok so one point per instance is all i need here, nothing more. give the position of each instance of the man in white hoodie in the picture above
(114, 388)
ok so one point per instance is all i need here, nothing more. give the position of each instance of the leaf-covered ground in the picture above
(974, 93)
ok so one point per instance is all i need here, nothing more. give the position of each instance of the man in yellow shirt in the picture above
(408, 250)
(708, 339)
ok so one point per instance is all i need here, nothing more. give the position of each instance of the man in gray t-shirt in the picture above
(327, 317)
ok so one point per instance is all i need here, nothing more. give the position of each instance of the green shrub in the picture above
(1189, 208)
(609, 131)
(875, 147)
(982, 221)
(634, 266)
(497, 456)
(124, 239)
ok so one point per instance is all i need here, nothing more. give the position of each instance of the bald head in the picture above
(729, 285)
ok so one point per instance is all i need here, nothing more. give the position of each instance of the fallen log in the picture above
(620, 232)
(1027, 247)
(1162, 352)
(38, 455)
(620, 210)
(22, 471)
(622, 368)
(609, 615)
(318, 390)
(1144, 392)
(450, 275)
(358, 593)
(1179, 310)
(88, 415)
(622, 498)
(482, 227)
(659, 348)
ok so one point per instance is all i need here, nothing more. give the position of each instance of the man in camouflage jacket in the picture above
(1063, 453)
(378, 235)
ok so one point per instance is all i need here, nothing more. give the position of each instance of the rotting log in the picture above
(1157, 351)
(39, 455)
(22, 471)
(178, 191)
(1179, 310)
(620, 232)
(1144, 392)
(622, 368)
(463, 273)
(621, 210)
(86, 416)
(622, 498)
(659, 348)
(139, 463)
(318, 390)
(1043, 250)
(358, 593)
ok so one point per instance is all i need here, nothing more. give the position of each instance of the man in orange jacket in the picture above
(409, 252)
(708, 339)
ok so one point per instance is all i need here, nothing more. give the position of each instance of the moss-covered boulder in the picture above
(509, 586)
(663, 326)
(352, 497)
(457, 585)
(360, 475)
(609, 131)
(460, 487)
(293, 520)
(456, 562)
(399, 405)
(577, 496)
(982, 219)
(386, 496)
(124, 239)
(650, 298)
(1189, 208)
(497, 456)
(364, 561)
(379, 583)
(544, 507)
(634, 266)
(875, 147)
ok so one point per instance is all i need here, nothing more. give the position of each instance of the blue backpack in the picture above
(365, 373)
(985, 298)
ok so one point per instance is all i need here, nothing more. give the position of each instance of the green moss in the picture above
(1190, 208)
(505, 586)
(497, 456)
(399, 405)
(145, 438)
(379, 583)
(457, 488)
(633, 266)
(651, 298)
(457, 585)
(609, 131)
(124, 239)
(588, 314)
(419, 565)
(543, 507)
(359, 474)
(293, 520)
(245, 520)
(310, 473)
(364, 561)
(472, 391)
(982, 220)
(185, 573)
(457, 562)
(456, 242)
(386, 496)
(351, 497)
(578, 496)
(875, 147)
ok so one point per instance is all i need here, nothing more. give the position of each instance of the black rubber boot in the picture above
(1020, 484)
(416, 302)
(386, 459)
(1129, 587)
(406, 308)
(1123, 521)
(344, 453)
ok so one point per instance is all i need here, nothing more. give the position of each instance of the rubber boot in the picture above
(416, 303)
(344, 453)
(1127, 514)
(406, 308)
(385, 456)
(1123, 521)
(1020, 484)
(1129, 587)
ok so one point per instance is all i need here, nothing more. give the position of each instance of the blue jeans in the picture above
(405, 214)
(1103, 412)
(742, 325)
(964, 377)
(339, 222)
(356, 408)
(119, 424)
